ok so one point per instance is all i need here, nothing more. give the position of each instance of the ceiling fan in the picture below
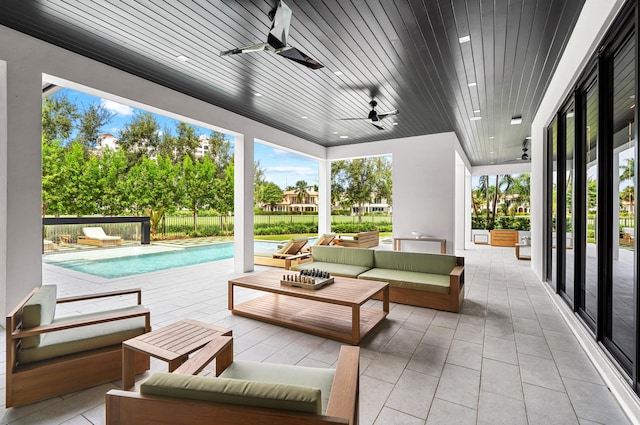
(525, 156)
(374, 117)
(277, 40)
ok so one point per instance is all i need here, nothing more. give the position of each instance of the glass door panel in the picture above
(569, 197)
(552, 271)
(590, 288)
(621, 310)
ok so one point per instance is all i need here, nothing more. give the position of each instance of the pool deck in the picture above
(508, 357)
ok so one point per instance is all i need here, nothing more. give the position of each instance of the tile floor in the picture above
(508, 358)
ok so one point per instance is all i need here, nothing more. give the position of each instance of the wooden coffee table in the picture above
(172, 344)
(334, 311)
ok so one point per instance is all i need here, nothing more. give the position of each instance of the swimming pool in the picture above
(139, 262)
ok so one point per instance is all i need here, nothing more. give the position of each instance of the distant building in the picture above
(291, 204)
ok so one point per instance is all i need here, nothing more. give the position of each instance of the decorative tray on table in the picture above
(309, 279)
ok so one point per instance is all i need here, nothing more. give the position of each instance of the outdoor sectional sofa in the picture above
(421, 279)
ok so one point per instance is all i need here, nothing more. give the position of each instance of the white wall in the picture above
(424, 183)
(591, 26)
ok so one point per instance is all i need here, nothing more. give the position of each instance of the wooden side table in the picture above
(520, 256)
(172, 344)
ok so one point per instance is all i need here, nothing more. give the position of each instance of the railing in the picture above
(180, 226)
(69, 228)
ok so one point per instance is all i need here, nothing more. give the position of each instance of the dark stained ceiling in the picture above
(406, 52)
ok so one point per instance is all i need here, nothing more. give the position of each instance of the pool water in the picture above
(144, 263)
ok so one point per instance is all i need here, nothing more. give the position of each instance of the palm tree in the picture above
(628, 170)
(483, 186)
(301, 192)
(628, 173)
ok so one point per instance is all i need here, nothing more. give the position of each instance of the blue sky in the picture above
(281, 167)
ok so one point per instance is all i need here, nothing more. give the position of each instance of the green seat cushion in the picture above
(410, 280)
(38, 310)
(84, 338)
(415, 261)
(340, 255)
(335, 269)
(234, 391)
(321, 378)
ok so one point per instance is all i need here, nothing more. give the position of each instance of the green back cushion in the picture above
(234, 391)
(353, 256)
(415, 261)
(38, 310)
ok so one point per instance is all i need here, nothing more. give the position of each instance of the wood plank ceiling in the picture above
(405, 52)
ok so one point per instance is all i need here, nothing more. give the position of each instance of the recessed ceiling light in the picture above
(476, 111)
(182, 58)
(516, 119)
(344, 137)
(258, 94)
(632, 106)
(464, 39)
(491, 137)
(304, 117)
(395, 123)
(491, 152)
(335, 132)
(337, 72)
(528, 137)
(473, 84)
(475, 118)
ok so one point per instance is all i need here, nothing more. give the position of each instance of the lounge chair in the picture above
(242, 392)
(290, 253)
(48, 245)
(96, 236)
(323, 240)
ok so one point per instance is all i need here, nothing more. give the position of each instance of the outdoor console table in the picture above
(521, 256)
(172, 344)
(334, 311)
(397, 242)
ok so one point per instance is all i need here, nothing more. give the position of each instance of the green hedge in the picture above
(502, 222)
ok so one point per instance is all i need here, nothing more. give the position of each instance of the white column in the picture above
(20, 181)
(243, 203)
(324, 196)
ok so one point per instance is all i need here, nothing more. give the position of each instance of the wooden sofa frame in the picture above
(447, 302)
(44, 379)
(364, 240)
(124, 407)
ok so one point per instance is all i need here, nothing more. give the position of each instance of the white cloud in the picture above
(288, 169)
(116, 107)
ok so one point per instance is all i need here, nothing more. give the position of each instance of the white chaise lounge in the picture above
(96, 236)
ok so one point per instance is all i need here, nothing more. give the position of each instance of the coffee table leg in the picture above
(128, 367)
(174, 364)
(385, 299)
(230, 306)
(355, 324)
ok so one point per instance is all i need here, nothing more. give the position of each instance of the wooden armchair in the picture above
(48, 356)
(173, 398)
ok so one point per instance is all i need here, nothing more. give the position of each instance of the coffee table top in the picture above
(176, 340)
(344, 290)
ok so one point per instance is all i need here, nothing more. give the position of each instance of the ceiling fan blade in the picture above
(300, 57)
(388, 114)
(246, 49)
(352, 119)
(376, 125)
